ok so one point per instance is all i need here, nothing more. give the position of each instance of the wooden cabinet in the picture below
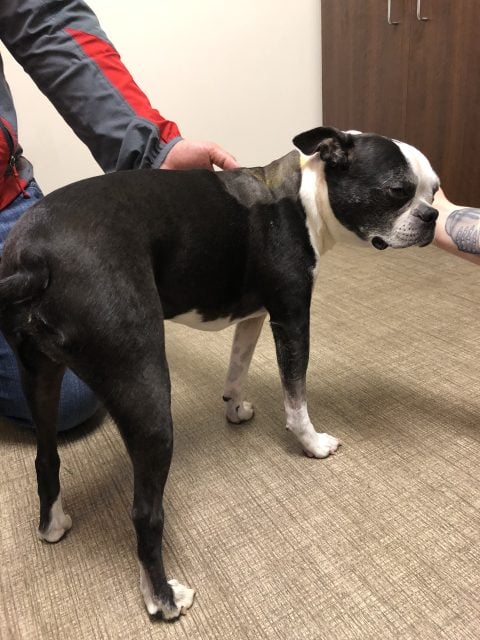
(417, 80)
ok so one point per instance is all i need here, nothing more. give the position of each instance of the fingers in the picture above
(221, 158)
(190, 154)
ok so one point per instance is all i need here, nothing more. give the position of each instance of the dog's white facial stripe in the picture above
(422, 169)
(427, 182)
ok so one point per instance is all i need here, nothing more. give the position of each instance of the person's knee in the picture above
(77, 403)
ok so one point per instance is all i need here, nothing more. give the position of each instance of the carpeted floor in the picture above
(378, 542)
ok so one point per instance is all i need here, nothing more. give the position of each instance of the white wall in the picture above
(246, 74)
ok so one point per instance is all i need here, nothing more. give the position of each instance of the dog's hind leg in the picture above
(131, 376)
(144, 418)
(41, 380)
(244, 342)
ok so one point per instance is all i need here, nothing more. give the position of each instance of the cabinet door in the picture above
(443, 106)
(365, 65)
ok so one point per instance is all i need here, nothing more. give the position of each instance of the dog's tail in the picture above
(29, 279)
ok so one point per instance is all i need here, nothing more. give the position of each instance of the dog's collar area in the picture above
(379, 243)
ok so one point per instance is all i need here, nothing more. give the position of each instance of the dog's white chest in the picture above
(195, 320)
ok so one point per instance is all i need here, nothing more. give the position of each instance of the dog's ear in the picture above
(331, 144)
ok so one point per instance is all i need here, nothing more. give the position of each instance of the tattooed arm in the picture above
(457, 229)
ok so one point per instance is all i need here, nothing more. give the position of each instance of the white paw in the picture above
(182, 596)
(239, 411)
(320, 445)
(59, 524)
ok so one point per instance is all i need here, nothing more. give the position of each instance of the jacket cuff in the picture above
(166, 148)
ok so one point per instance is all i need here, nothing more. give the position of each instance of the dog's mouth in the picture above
(407, 236)
(379, 243)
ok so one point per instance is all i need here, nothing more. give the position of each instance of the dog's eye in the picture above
(398, 192)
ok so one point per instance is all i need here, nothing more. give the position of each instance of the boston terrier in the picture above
(89, 274)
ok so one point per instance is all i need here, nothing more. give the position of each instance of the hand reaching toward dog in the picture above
(458, 228)
(190, 154)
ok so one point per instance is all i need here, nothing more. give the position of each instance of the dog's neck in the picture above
(323, 226)
(314, 197)
(284, 175)
(281, 179)
(300, 181)
(278, 181)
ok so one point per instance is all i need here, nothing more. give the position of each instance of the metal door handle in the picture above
(419, 11)
(389, 13)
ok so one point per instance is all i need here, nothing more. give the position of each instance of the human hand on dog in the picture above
(191, 154)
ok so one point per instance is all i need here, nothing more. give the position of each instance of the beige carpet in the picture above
(378, 542)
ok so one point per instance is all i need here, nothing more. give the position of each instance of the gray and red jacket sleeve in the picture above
(61, 45)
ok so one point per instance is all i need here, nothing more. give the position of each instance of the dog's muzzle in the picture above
(423, 219)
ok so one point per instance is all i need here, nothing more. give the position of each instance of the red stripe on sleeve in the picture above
(105, 56)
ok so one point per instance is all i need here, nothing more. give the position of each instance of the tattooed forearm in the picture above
(463, 226)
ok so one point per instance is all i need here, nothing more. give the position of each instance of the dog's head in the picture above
(379, 189)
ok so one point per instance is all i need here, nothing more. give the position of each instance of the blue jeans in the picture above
(77, 402)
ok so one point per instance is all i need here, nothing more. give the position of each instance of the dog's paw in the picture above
(183, 596)
(239, 411)
(58, 525)
(158, 606)
(320, 445)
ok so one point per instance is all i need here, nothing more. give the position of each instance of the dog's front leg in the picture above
(243, 346)
(292, 345)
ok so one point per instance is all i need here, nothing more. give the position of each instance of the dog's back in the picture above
(191, 231)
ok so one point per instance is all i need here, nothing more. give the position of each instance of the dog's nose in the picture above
(426, 213)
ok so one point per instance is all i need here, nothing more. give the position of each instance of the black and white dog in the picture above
(89, 274)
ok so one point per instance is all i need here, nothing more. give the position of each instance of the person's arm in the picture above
(63, 48)
(457, 229)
